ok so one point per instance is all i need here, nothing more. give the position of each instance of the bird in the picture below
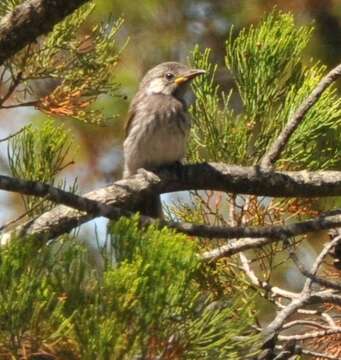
(158, 124)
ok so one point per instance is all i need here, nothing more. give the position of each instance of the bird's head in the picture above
(169, 78)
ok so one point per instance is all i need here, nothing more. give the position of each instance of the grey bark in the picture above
(30, 20)
(127, 194)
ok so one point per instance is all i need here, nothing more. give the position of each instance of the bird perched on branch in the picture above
(158, 123)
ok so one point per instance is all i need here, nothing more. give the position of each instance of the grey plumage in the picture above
(158, 123)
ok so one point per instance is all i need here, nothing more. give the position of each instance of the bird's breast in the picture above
(166, 137)
(158, 138)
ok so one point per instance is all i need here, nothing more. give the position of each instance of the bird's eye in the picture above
(169, 76)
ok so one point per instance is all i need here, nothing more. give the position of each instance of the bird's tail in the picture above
(151, 206)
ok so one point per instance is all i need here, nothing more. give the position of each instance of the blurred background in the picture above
(161, 31)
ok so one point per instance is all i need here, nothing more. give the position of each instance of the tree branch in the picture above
(309, 335)
(30, 20)
(279, 144)
(318, 355)
(312, 275)
(309, 323)
(212, 176)
(297, 303)
(125, 195)
(255, 237)
(326, 221)
(307, 296)
(264, 285)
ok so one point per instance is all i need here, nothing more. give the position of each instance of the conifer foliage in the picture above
(150, 294)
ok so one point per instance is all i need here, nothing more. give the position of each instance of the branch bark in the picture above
(256, 237)
(30, 20)
(205, 176)
(324, 222)
(125, 195)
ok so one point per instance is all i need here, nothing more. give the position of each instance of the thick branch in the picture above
(30, 20)
(213, 176)
(95, 208)
(59, 196)
(127, 194)
(279, 144)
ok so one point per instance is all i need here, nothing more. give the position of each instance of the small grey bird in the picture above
(158, 123)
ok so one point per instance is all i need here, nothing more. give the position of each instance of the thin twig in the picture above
(70, 163)
(327, 248)
(328, 319)
(12, 135)
(325, 297)
(22, 216)
(319, 355)
(310, 335)
(314, 278)
(11, 89)
(306, 298)
(24, 104)
(279, 144)
(286, 312)
(314, 324)
(258, 236)
(322, 222)
(274, 290)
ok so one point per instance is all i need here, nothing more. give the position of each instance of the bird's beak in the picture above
(188, 75)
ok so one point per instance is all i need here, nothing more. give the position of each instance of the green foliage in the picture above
(77, 62)
(272, 81)
(213, 118)
(39, 153)
(152, 300)
(8, 5)
(157, 302)
(315, 144)
(266, 62)
(28, 305)
(153, 297)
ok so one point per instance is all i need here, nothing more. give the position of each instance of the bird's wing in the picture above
(132, 112)
(129, 121)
